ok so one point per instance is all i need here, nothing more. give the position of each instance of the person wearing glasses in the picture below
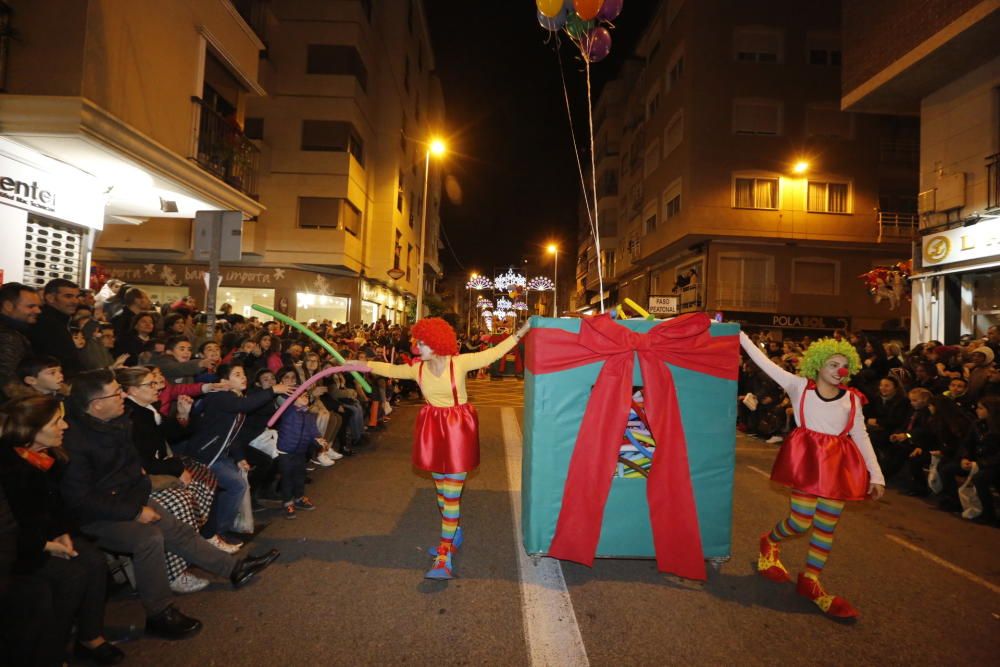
(109, 494)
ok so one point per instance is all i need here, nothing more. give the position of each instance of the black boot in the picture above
(172, 624)
(103, 654)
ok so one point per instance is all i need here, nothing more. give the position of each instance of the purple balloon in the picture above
(610, 10)
(598, 44)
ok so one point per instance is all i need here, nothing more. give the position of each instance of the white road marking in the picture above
(760, 472)
(550, 628)
(945, 564)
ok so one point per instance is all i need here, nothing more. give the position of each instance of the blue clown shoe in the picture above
(442, 565)
(456, 542)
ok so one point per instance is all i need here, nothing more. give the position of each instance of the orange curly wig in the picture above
(436, 334)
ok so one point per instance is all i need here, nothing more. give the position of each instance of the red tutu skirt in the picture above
(447, 439)
(824, 465)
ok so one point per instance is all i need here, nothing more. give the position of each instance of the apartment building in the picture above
(306, 116)
(943, 66)
(105, 132)
(743, 189)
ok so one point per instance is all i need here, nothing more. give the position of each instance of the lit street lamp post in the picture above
(437, 147)
(554, 250)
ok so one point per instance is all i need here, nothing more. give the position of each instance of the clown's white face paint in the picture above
(426, 353)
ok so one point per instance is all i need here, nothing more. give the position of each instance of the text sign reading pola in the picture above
(663, 305)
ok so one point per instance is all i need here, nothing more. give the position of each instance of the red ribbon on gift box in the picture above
(685, 342)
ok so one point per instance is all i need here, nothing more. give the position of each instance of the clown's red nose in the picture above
(843, 372)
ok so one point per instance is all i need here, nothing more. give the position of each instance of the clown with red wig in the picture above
(447, 430)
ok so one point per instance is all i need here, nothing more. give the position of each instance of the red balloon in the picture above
(587, 9)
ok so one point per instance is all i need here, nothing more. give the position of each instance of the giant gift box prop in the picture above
(578, 389)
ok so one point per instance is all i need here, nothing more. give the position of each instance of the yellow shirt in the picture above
(437, 389)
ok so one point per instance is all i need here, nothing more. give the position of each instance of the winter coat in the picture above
(104, 480)
(297, 430)
(151, 439)
(51, 336)
(34, 499)
(14, 346)
(222, 416)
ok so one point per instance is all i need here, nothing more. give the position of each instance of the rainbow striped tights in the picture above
(449, 498)
(822, 514)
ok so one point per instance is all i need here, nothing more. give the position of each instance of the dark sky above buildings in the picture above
(511, 146)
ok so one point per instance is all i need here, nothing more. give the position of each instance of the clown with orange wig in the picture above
(826, 461)
(447, 431)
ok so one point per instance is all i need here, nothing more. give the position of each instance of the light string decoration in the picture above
(541, 284)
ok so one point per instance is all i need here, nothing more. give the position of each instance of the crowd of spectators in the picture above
(134, 430)
(932, 412)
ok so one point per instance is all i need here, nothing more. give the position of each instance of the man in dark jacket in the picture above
(19, 310)
(915, 434)
(109, 491)
(51, 334)
(135, 301)
(217, 442)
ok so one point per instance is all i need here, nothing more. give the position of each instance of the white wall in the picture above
(13, 227)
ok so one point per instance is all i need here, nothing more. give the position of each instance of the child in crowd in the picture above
(38, 376)
(297, 431)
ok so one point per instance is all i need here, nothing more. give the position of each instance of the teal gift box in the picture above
(553, 412)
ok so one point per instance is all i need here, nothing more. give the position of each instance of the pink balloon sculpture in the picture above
(346, 368)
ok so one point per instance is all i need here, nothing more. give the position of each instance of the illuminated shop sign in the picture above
(962, 244)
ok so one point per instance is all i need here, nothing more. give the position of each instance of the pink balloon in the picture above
(347, 368)
(598, 44)
(610, 10)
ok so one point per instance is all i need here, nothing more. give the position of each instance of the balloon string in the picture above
(593, 180)
(572, 131)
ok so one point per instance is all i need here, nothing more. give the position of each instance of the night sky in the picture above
(510, 140)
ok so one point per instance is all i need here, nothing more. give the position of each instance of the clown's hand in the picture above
(876, 491)
(523, 331)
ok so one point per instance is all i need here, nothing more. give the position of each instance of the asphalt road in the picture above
(349, 587)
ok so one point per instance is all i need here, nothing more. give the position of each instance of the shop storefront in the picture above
(956, 282)
(49, 213)
(378, 301)
(785, 325)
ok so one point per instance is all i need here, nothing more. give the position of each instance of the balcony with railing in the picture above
(739, 296)
(895, 226)
(224, 150)
(690, 298)
(993, 182)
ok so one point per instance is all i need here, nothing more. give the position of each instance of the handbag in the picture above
(933, 476)
(267, 442)
(967, 495)
(243, 523)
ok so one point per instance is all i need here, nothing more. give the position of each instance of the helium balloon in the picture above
(552, 24)
(610, 10)
(598, 44)
(577, 28)
(587, 9)
(549, 8)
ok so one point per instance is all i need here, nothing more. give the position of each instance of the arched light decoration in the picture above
(484, 303)
(520, 305)
(503, 303)
(507, 280)
(541, 284)
(488, 314)
(479, 283)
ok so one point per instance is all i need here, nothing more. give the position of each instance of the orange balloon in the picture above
(587, 9)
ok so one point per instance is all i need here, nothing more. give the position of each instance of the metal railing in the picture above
(690, 298)
(993, 181)
(897, 225)
(735, 295)
(224, 150)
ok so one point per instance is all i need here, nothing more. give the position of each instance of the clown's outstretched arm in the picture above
(477, 360)
(785, 379)
(397, 371)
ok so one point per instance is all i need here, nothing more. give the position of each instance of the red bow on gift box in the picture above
(685, 342)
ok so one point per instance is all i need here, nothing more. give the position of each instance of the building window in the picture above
(756, 116)
(413, 208)
(674, 134)
(823, 48)
(652, 160)
(650, 225)
(253, 128)
(409, 256)
(397, 249)
(746, 280)
(758, 45)
(652, 103)
(828, 121)
(332, 135)
(607, 184)
(329, 213)
(399, 193)
(815, 276)
(366, 7)
(336, 59)
(672, 200)
(676, 70)
(756, 193)
(828, 197)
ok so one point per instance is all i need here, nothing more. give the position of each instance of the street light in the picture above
(554, 250)
(437, 147)
(801, 167)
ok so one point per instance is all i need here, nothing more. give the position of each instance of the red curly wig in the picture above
(436, 334)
